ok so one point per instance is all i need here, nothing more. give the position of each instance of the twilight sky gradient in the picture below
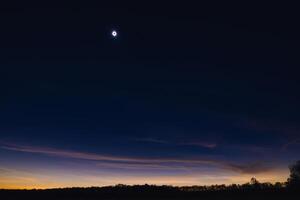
(187, 94)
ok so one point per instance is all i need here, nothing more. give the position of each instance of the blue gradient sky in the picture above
(183, 96)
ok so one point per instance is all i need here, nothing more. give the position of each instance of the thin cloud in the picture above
(140, 166)
(142, 163)
(270, 125)
(203, 144)
(252, 168)
(151, 140)
(290, 143)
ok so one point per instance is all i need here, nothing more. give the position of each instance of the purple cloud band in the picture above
(141, 163)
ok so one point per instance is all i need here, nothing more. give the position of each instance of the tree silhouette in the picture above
(294, 179)
(250, 190)
(254, 181)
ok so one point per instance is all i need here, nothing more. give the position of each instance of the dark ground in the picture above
(156, 192)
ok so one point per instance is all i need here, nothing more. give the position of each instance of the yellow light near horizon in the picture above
(26, 181)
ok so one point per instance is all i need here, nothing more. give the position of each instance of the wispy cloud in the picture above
(151, 140)
(267, 125)
(141, 163)
(209, 145)
(3, 170)
(203, 144)
(140, 166)
(290, 143)
(250, 168)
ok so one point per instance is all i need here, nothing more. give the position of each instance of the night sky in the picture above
(186, 94)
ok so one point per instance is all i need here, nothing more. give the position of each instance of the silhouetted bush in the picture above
(294, 179)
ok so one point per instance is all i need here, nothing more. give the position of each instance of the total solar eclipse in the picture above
(114, 34)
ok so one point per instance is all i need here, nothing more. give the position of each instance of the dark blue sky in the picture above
(187, 94)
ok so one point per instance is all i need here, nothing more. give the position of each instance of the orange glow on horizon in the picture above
(32, 181)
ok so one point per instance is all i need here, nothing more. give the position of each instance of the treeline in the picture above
(253, 190)
(246, 191)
